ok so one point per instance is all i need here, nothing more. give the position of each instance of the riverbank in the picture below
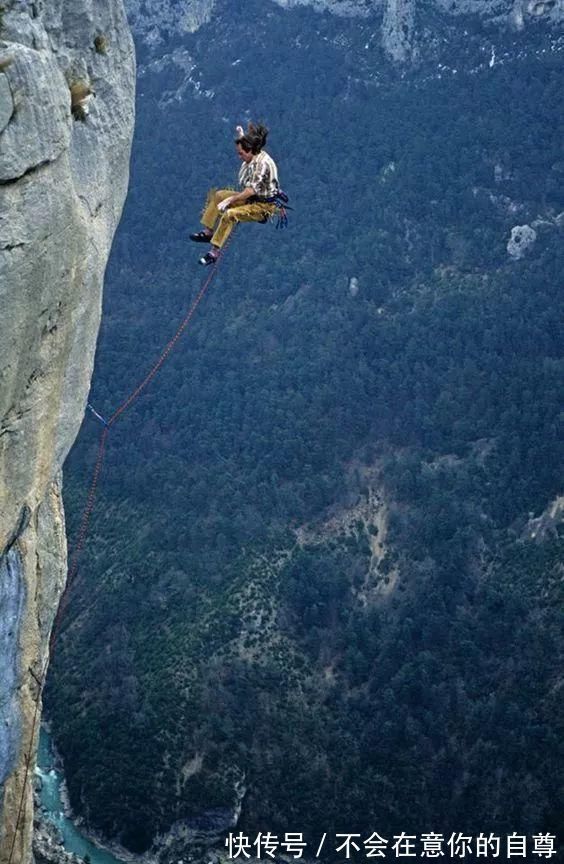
(61, 838)
(48, 843)
(55, 830)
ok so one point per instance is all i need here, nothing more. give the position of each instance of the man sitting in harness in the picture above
(257, 201)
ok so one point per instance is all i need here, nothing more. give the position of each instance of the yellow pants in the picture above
(258, 211)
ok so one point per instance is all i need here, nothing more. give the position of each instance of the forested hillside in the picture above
(311, 575)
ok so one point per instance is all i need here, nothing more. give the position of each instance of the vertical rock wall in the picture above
(64, 160)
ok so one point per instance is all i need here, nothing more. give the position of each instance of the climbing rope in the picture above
(87, 513)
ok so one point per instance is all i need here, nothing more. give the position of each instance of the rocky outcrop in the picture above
(398, 29)
(398, 33)
(63, 179)
(195, 839)
(522, 239)
(546, 525)
(160, 18)
(48, 844)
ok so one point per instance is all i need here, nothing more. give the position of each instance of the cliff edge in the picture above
(67, 81)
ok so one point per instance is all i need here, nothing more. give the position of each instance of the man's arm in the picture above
(238, 198)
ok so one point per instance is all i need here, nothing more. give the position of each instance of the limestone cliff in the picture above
(400, 36)
(66, 114)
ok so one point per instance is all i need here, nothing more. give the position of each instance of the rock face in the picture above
(522, 239)
(398, 18)
(63, 180)
(48, 843)
(398, 29)
(162, 17)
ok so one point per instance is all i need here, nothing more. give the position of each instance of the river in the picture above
(51, 781)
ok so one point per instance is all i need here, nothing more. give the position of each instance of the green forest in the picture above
(216, 621)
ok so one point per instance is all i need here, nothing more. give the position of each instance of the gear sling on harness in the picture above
(280, 201)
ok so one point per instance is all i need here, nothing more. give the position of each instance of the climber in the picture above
(260, 196)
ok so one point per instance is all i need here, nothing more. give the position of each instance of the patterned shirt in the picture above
(260, 174)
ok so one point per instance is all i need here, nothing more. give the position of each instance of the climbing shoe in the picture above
(201, 237)
(208, 259)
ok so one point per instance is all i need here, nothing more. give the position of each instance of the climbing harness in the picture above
(280, 201)
(85, 520)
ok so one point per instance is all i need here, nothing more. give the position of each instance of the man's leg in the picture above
(257, 212)
(211, 213)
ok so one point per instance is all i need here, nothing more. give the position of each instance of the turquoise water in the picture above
(51, 800)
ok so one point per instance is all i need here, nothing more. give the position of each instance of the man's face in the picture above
(242, 154)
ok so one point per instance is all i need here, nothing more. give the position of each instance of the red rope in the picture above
(87, 513)
(134, 395)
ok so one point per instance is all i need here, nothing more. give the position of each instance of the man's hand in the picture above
(223, 205)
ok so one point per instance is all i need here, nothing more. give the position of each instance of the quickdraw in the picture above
(280, 201)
